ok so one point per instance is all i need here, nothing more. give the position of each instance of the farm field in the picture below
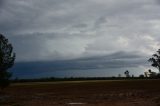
(83, 93)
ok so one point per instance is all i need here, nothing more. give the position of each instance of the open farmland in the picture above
(83, 93)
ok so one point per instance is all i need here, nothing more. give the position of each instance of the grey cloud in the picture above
(79, 28)
(33, 16)
(1, 3)
(84, 34)
(81, 25)
(157, 1)
(61, 15)
(47, 46)
(120, 60)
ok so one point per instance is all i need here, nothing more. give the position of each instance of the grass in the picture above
(90, 92)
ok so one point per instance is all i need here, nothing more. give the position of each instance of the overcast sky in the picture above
(88, 30)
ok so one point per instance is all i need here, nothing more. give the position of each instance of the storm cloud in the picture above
(82, 66)
(64, 30)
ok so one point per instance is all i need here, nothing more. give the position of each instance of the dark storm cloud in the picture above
(34, 16)
(1, 3)
(91, 33)
(116, 60)
(158, 1)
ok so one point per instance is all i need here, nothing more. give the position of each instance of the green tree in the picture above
(7, 58)
(127, 73)
(155, 60)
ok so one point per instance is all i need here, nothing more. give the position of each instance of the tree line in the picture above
(7, 58)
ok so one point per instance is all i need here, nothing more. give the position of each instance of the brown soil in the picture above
(85, 93)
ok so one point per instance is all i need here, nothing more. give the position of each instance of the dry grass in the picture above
(83, 93)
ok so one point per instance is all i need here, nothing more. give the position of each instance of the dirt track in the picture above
(87, 93)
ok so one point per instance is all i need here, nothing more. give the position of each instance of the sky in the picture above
(63, 35)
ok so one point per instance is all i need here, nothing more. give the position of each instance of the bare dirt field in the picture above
(83, 93)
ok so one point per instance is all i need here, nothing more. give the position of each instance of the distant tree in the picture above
(155, 60)
(7, 58)
(141, 76)
(132, 76)
(127, 73)
(152, 74)
(158, 75)
(119, 75)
